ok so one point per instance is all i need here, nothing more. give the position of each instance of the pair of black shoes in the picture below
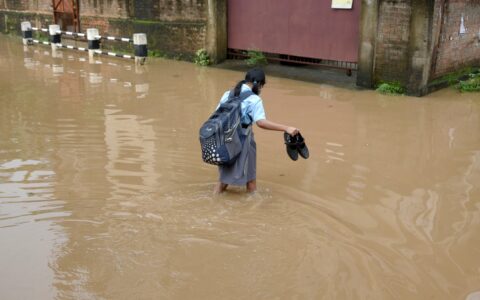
(295, 146)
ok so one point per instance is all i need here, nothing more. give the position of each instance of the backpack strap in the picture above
(243, 95)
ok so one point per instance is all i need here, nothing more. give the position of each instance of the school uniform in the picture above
(245, 167)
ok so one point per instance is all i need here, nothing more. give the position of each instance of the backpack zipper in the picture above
(229, 133)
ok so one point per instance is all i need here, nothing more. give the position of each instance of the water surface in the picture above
(103, 194)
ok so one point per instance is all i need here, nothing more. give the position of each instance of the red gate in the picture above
(65, 14)
(303, 28)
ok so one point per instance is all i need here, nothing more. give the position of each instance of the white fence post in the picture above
(140, 45)
(55, 38)
(27, 33)
(93, 41)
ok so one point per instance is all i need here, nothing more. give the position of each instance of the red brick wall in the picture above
(391, 51)
(40, 6)
(164, 10)
(456, 50)
(172, 27)
(176, 28)
(161, 10)
(115, 8)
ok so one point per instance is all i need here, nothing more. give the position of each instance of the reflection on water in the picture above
(103, 193)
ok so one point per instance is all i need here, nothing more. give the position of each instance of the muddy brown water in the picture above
(103, 194)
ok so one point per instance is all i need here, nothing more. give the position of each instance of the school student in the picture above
(244, 170)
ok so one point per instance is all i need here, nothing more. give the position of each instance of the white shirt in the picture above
(252, 107)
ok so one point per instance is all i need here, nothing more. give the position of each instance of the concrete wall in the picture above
(457, 50)
(403, 43)
(410, 41)
(176, 28)
(159, 10)
(173, 27)
(13, 12)
(415, 41)
(10, 20)
(393, 33)
(27, 5)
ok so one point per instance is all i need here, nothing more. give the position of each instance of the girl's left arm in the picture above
(269, 125)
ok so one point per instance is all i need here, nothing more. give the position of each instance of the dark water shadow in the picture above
(307, 73)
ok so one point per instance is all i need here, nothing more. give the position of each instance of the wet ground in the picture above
(103, 194)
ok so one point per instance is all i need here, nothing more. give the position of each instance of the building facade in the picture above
(412, 42)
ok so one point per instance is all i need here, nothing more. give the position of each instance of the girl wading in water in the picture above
(244, 170)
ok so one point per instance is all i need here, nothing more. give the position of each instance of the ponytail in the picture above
(238, 88)
(254, 76)
(255, 88)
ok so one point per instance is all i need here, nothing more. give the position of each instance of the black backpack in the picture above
(221, 138)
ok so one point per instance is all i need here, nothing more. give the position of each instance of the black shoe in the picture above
(301, 146)
(291, 146)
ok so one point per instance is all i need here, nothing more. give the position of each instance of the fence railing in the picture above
(92, 37)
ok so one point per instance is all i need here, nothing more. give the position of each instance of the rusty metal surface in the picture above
(308, 28)
(66, 14)
(63, 6)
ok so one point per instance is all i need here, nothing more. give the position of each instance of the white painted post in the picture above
(93, 41)
(140, 45)
(54, 31)
(27, 33)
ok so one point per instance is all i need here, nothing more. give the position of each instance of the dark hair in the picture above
(255, 76)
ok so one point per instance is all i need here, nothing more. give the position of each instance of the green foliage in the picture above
(178, 56)
(472, 84)
(146, 22)
(202, 58)
(155, 53)
(119, 50)
(453, 78)
(256, 58)
(41, 38)
(391, 88)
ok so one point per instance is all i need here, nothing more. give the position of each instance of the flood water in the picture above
(103, 194)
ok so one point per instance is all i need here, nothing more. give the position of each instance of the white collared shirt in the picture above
(252, 107)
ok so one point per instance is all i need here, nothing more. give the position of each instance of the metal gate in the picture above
(299, 28)
(65, 14)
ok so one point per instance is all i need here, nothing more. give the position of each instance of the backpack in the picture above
(221, 137)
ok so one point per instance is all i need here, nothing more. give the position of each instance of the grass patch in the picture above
(165, 55)
(471, 84)
(256, 58)
(453, 78)
(40, 38)
(156, 53)
(391, 88)
(118, 50)
(142, 21)
(201, 58)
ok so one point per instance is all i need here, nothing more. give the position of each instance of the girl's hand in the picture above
(292, 131)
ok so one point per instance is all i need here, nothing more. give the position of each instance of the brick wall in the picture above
(26, 5)
(393, 30)
(10, 21)
(174, 27)
(168, 10)
(456, 50)
(160, 10)
(105, 9)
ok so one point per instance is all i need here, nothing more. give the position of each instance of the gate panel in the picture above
(308, 28)
(65, 13)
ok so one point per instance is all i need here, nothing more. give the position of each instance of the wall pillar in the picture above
(366, 51)
(216, 40)
(420, 47)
